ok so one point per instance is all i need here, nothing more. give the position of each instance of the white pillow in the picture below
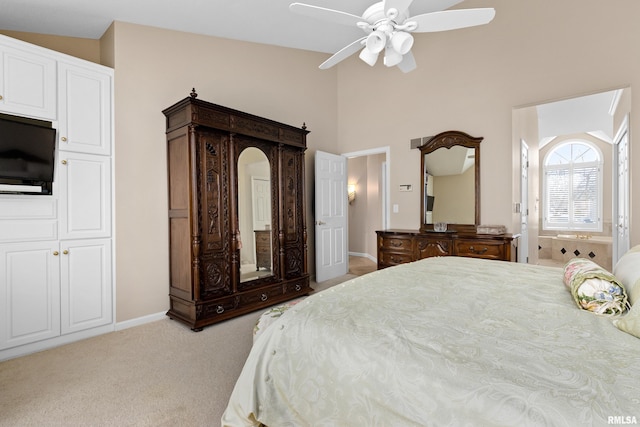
(631, 322)
(627, 271)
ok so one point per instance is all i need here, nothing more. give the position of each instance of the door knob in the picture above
(320, 222)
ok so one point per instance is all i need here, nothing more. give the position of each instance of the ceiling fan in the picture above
(388, 27)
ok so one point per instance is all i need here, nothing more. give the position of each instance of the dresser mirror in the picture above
(450, 182)
(254, 214)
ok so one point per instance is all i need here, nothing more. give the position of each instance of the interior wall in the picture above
(471, 79)
(155, 68)
(88, 49)
(357, 175)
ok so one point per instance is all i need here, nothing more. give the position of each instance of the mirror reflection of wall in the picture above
(452, 179)
(254, 214)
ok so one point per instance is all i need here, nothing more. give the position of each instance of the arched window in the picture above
(572, 187)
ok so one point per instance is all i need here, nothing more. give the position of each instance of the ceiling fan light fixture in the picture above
(376, 41)
(401, 42)
(391, 57)
(369, 57)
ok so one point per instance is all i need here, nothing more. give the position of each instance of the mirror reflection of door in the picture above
(254, 214)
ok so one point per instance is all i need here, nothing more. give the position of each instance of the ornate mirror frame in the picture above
(447, 140)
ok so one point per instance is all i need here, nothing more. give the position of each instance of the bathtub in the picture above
(564, 247)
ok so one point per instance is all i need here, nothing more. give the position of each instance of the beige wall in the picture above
(81, 48)
(468, 80)
(156, 68)
(365, 212)
(471, 79)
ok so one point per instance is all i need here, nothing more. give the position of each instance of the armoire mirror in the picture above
(450, 181)
(254, 214)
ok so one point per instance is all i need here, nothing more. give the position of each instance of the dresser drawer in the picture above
(480, 249)
(388, 259)
(396, 243)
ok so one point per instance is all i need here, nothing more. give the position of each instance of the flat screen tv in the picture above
(27, 152)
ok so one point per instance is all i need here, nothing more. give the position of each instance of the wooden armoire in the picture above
(208, 207)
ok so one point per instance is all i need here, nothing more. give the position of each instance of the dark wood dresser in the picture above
(402, 246)
(263, 249)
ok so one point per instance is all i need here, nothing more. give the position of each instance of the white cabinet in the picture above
(56, 259)
(29, 293)
(84, 185)
(84, 109)
(85, 280)
(50, 288)
(27, 82)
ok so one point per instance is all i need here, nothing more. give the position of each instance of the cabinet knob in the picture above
(66, 252)
(64, 139)
(55, 253)
(0, 97)
(64, 162)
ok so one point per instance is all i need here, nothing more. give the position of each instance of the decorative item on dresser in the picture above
(449, 208)
(210, 203)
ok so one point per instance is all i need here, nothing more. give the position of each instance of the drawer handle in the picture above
(481, 251)
(298, 287)
(219, 309)
(396, 243)
(263, 297)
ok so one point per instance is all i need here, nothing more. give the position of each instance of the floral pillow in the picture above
(594, 288)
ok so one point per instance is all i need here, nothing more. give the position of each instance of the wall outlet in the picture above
(396, 209)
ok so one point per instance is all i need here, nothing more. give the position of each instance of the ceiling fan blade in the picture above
(452, 19)
(399, 5)
(325, 14)
(408, 63)
(343, 53)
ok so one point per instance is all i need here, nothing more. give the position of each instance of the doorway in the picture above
(368, 173)
(596, 118)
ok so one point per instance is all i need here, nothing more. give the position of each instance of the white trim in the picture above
(368, 256)
(138, 321)
(47, 344)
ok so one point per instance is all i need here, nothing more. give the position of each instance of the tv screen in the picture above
(27, 154)
(430, 200)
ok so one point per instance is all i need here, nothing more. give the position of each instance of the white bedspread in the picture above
(440, 342)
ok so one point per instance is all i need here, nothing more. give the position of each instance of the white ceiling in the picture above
(260, 21)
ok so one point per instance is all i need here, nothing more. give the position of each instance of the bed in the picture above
(439, 342)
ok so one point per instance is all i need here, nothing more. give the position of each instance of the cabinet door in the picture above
(84, 109)
(29, 293)
(85, 195)
(85, 284)
(27, 83)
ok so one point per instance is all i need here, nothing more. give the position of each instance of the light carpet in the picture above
(158, 374)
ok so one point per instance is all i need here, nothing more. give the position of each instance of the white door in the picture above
(331, 216)
(85, 284)
(523, 246)
(621, 242)
(29, 293)
(84, 182)
(27, 83)
(84, 110)
(261, 202)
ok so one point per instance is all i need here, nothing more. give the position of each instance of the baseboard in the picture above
(360, 254)
(35, 347)
(141, 320)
